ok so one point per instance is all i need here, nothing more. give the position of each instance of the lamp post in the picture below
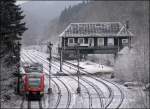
(50, 58)
(78, 71)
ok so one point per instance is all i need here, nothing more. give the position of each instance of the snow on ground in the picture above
(135, 97)
(87, 65)
(93, 67)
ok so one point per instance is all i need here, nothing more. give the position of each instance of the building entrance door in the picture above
(91, 42)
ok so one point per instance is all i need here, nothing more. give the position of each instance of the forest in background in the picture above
(133, 64)
(134, 61)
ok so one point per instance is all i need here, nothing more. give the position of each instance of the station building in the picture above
(95, 38)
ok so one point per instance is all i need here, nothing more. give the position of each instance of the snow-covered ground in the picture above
(94, 90)
(87, 65)
(93, 67)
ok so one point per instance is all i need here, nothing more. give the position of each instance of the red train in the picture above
(34, 80)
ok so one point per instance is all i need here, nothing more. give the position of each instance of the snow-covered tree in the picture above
(11, 24)
(132, 65)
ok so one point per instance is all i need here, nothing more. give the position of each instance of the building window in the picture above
(81, 40)
(100, 41)
(91, 41)
(110, 41)
(70, 41)
(124, 41)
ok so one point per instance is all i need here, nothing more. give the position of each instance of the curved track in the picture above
(92, 85)
(59, 91)
(113, 89)
(112, 94)
(110, 103)
(58, 88)
(90, 100)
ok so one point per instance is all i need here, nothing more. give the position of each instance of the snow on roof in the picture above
(95, 29)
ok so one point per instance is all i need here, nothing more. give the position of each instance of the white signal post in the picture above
(50, 58)
(78, 71)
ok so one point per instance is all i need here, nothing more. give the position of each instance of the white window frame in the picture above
(126, 41)
(82, 39)
(70, 44)
(108, 42)
(100, 44)
(92, 41)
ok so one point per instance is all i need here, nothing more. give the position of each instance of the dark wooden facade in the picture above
(90, 44)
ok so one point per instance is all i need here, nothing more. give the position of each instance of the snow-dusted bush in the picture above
(131, 65)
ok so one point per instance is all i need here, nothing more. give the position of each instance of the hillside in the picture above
(136, 12)
(38, 16)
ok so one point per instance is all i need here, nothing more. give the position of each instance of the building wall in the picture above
(105, 41)
(65, 40)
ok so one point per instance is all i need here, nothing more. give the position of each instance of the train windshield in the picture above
(35, 68)
(34, 80)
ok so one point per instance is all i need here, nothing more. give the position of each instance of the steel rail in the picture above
(68, 91)
(112, 96)
(59, 90)
(90, 100)
(98, 93)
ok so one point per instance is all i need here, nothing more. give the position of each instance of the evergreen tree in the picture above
(11, 25)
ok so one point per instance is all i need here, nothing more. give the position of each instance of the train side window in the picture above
(70, 41)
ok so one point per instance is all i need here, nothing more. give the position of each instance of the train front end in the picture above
(34, 80)
(34, 84)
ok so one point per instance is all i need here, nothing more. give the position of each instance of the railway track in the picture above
(59, 91)
(26, 103)
(103, 81)
(72, 78)
(58, 88)
(22, 102)
(112, 96)
(34, 104)
(98, 91)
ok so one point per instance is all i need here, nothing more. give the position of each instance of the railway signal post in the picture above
(78, 71)
(50, 59)
(61, 50)
(60, 53)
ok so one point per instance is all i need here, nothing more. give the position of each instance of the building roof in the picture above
(98, 29)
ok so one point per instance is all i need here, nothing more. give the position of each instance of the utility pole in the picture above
(60, 54)
(78, 71)
(50, 59)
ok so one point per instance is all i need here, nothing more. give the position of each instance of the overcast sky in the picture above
(40, 14)
(67, 2)
(20, 2)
